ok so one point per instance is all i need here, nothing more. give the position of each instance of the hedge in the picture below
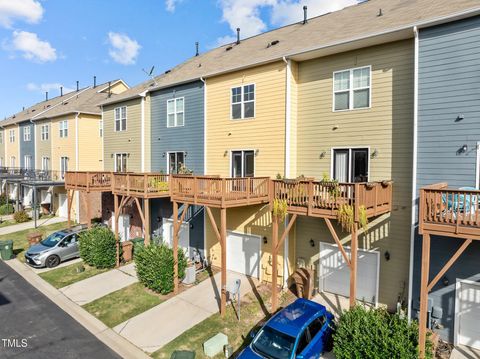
(375, 333)
(155, 267)
(98, 247)
(21, 217)
(6, 209)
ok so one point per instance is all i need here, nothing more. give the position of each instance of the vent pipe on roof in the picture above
(46, 96)
(77, 86)
(196, 47)
(238, 35)
(61, 90)
(23, 108)
(305, 16)
(94, 81)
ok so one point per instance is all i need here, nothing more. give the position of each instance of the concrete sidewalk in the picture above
(87, 290)
(30, 224)
(116, 342)
(148, 330)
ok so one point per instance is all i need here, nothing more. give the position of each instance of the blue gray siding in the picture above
(27, 147)
(188, 138)
(449, 89)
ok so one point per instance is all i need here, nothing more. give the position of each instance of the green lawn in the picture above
(7, 223)
(253, 314)
(20, 242)
(61, 277)
(117, 307)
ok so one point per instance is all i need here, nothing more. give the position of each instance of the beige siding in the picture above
(89, 143)
(386, 127)
(12, 148)
(128, 141)
(2, 148)
(147, 138)
(43, 148)
(293, 118)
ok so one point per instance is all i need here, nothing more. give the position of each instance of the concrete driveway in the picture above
(149, 331)
(87, 290)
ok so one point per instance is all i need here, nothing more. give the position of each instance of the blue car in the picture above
(302, 330)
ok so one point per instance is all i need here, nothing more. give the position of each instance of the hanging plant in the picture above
(346, 217)
(332, 186)
(280, 208)
(362, 218)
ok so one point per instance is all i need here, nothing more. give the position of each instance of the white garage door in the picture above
(335, 274)
(183, 235)
(468, 314)
(62, 205)
(243, 253)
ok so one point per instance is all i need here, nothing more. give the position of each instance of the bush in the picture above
(21, 217)
(374, 333)
(3, 199)
(6, 209)
(155, 268)
(98, 247)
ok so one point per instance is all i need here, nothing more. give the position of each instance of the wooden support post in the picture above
(69, 206)
(89, 215)
(115, 219)
(146, 205)
(274, 262)
(175, 247)
(422, 323)
(353, 265)
(223, 242)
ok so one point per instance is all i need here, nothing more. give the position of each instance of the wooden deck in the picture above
(449, 212)
(324, 199)
(144, 185)
(220, 192)
(99, 181)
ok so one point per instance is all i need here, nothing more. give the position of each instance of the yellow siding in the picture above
(43, 148)
(63, 147)
(89, 143)
(2, 148)
(118, 88)
(293, 118)
(386, 127)
(12, 149)
(128, 141)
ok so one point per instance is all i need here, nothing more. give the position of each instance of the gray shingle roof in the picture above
(356, 21)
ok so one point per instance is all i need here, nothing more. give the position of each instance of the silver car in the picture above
(56, 248)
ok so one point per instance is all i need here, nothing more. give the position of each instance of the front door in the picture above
(123, 226)
(62, 205)
(468, 314)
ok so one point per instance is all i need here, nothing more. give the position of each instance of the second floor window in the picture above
(27, 134)
(121, 118)
(243, 164)
(63, 129)
(63, 166)
(27, 162)
(351, 89)
(121, 162)
(243, 102)
(350, 165)
(45, 163)
(175, 161)
(11, 134)
(176, 112)
(44, 132)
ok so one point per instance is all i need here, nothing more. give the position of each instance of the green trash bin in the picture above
(138, 244)
(6, 249)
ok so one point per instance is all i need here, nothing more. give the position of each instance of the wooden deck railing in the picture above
(89, 181)
(220, 192)
(448, 211)
(324, 199)
(147, 185)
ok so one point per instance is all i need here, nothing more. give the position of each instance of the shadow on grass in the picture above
(258, 297)
(248, 339)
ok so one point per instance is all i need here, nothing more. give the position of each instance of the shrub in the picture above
(21, 217)
(374, 333)
(98, 247)
(3, 199)
(6, 209)
(155, 268)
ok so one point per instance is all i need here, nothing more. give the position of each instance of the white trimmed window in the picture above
(13, 161)
(63, 166)
(44, 132)
(176, 112)
(11, 134)
(243, 163)
(120, 118)
(45, 163)
(27, 134)
(175, 161)
(100, 128)
(63, 129)
(350, 164)
(243, 102)
(27, 162)
(352, 89)
(121, 162)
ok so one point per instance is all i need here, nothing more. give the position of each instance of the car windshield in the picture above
(52, 240)
(271, 343)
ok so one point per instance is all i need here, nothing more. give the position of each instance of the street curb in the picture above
(109, 337)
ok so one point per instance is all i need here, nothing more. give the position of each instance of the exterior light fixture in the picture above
(374, 153)
(256, 152)
(323, 154)
(445, 281)
(464, 148)
(265, 240)
(387, 256)
(164, 154)
(225, 154)
(460, 117)
(312, 242)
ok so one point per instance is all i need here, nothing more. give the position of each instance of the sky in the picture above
(45, 44)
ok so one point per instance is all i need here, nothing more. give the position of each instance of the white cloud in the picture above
(123, 49)
(42, 88)
(247, 14)
(171, 4)
(30, 11)
(31, 47)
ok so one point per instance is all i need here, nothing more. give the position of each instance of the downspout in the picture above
(204, 158)
(34, 144)
(103, 142)
(414, 174)
(77, 207)
(288, 74)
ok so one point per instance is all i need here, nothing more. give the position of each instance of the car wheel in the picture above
(52, 261)
(329, 344)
